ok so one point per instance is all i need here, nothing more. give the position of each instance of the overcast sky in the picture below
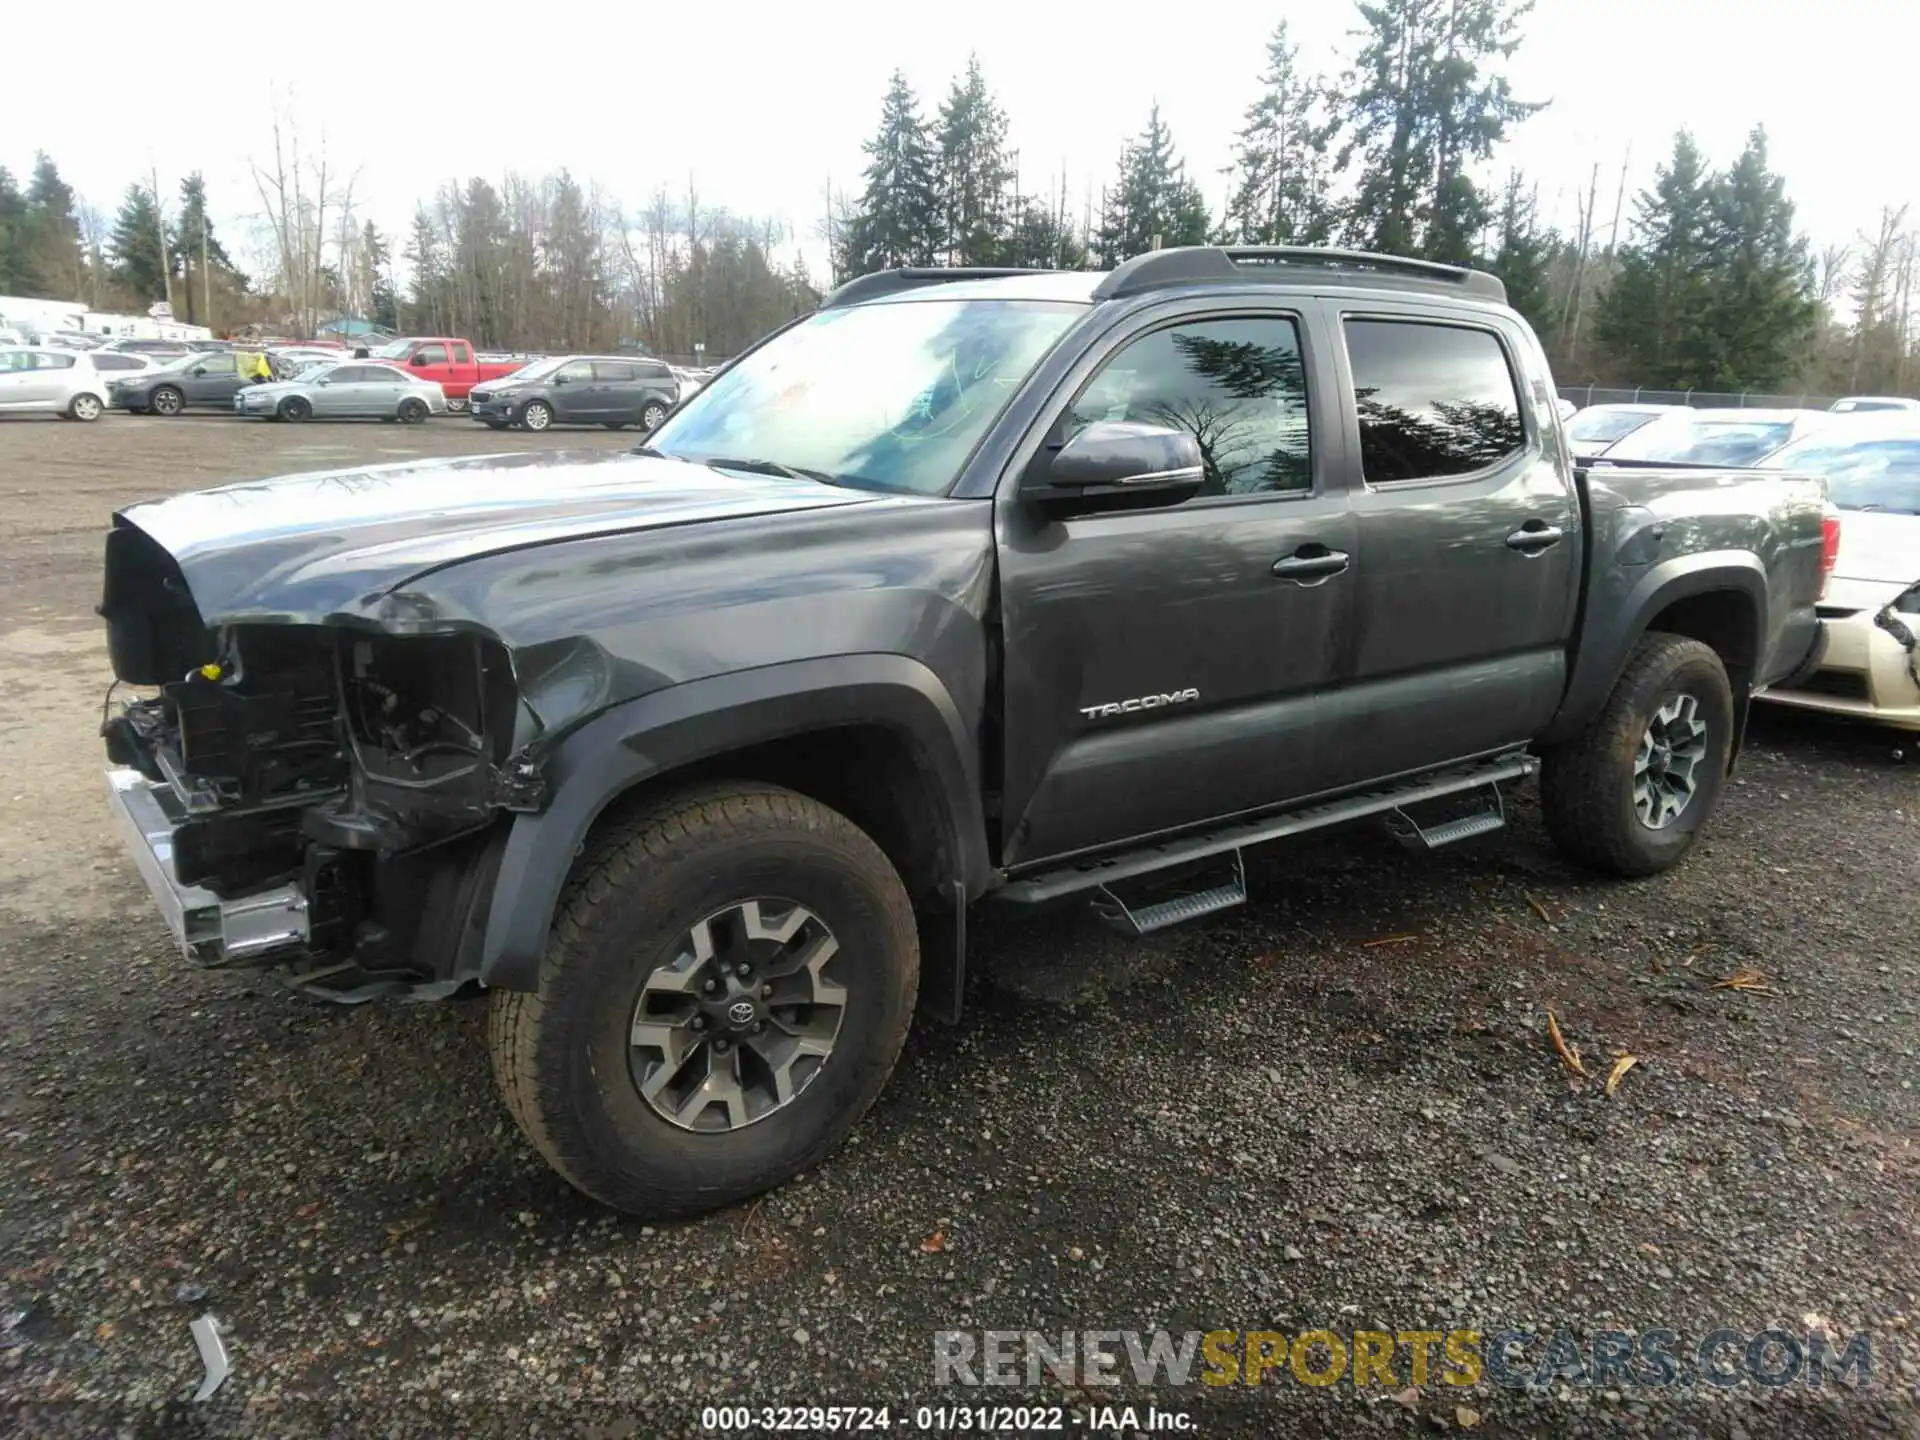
(762, 102)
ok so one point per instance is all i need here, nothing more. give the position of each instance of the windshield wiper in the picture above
(645, 449)
(771, 467)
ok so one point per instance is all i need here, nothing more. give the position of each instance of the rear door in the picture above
(1472, 537)
(619, 385)
(1105, 615)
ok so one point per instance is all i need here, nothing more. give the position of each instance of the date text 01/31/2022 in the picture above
(974, 1419)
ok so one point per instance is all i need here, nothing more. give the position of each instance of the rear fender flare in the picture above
(669, 729)
(1606, 643)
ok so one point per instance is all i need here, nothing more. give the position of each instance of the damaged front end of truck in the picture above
(320, 798)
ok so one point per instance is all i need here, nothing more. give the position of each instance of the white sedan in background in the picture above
(1871, 665)
(41, 380)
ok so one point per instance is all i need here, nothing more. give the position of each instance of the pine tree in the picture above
(1524, 255)
(1153, 203)
(971, 171)
(1042, 238)
(15, 275)
(53, 266)
(188, 227)
(897, 221)
(1761, 311)
(427, 295)
(1424, 106)
(1280, 159)
(136, 246)
(376, 259)
(1653, 318)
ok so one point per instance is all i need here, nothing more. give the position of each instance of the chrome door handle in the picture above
(1314, 565)
(1533, 537)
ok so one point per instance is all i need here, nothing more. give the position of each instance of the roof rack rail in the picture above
(1214, 264)
(912, 277)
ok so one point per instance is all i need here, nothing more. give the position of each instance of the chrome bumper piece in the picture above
(210, 931)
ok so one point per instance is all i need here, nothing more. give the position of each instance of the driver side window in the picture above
(1239, 386)
(575, 372)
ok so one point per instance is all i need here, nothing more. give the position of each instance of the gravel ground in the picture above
(1338, 1107)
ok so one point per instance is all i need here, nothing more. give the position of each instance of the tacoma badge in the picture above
(1143, 702)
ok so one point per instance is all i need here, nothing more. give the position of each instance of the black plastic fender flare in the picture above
(1606, 641)
(670, 729)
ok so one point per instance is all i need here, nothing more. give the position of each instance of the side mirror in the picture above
(563, 379)
(198, 370)
(1119, 464)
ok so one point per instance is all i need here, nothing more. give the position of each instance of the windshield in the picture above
(1704, 440)
(892, 396)
(1606, 426)
(1881, 474)
(534, 370)
(395, 351)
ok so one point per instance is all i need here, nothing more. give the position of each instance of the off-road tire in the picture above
(1586, 783)
(560, 1054)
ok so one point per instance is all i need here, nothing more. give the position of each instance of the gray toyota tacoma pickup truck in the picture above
(968, 585)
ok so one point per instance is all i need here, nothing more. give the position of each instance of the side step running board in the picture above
(1106, 870)
(1144, 919)
(1415, 836)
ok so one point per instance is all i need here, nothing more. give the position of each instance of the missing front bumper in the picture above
(210, 931)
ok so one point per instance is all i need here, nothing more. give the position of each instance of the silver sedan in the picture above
(352, 389)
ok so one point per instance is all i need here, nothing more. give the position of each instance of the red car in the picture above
(447, 361)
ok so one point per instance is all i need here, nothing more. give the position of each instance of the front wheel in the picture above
(166, 401)
(536, 415)
(1631, 793)
(727, 986)
(296, 408)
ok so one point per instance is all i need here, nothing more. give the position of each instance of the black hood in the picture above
(304, 548)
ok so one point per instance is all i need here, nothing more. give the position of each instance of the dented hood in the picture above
(302, 548)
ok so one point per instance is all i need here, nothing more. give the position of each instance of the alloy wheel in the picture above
(1666, 769)
(740, 1019)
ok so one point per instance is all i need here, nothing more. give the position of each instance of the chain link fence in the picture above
(1585, 395)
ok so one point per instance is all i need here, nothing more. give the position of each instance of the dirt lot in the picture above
(1336, 1108)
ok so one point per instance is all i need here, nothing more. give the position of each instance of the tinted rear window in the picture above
(1433, 400)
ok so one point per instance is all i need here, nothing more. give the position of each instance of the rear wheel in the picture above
(412, 410)
(1631, 794)
(166, 400)
(652, 415)
(457, 407)
(296, 408)
(724, 956)
(85, 407)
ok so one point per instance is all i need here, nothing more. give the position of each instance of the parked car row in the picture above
(1868, 450)
(408, 382)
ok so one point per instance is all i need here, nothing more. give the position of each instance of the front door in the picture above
(573, 392)
(212, 380)
(1165, 667)
(1472, 537)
